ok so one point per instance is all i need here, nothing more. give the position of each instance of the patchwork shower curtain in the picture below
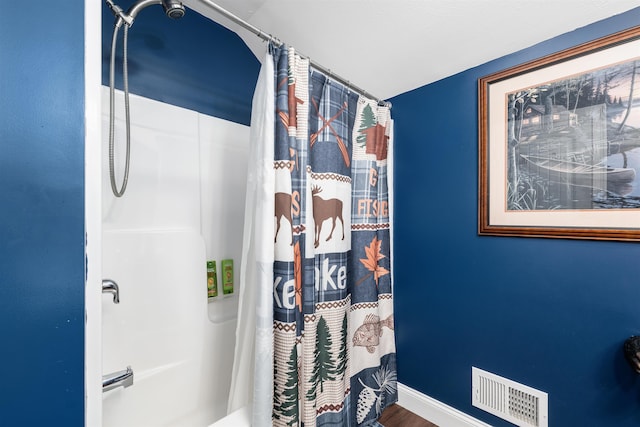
(332, 354)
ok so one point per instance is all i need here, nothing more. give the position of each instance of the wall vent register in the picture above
(517, 403)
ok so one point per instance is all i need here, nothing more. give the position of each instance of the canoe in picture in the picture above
(581, 172)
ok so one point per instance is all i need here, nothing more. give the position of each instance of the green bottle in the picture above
(227, 276)
(212, 280)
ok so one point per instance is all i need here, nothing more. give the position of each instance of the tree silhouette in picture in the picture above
(630, 104)
(342, 355)
(368, 120)
(289, 407)
(324, 368)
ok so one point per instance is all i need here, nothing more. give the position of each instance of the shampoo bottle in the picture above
(212, 280)
(227, 276)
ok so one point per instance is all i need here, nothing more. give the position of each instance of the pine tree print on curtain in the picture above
(317, 327)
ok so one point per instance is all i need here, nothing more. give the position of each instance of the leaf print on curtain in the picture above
(371, 261)
(332, 260)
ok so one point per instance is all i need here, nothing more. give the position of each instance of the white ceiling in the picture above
(388, 47)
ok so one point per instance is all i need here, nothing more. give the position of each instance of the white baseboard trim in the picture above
(433, 410)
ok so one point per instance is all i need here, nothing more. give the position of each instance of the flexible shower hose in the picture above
(112, 174)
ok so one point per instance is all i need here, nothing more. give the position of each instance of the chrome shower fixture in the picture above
(174, 9)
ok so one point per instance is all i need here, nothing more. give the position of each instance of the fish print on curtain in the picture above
(334, 346)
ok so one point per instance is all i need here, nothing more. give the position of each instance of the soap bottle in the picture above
(227, 276)
(212, 280)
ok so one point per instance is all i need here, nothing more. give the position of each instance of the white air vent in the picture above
(524, 406)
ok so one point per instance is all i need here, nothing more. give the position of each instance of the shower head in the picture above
(173, 9)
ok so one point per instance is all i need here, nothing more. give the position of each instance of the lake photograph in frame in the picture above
(574, 143)
(559, 144)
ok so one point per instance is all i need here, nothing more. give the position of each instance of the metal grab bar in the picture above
(111, 287)
(117, 379)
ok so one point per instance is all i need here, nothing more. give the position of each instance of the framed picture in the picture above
(559, 144)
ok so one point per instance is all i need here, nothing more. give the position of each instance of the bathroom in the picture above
(567, 337)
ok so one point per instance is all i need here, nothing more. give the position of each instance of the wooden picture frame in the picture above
(559, 144)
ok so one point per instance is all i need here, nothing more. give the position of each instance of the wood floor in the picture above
(397, 416)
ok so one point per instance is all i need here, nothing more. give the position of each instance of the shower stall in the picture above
(184, 206)
(172, 190)
(172, 198)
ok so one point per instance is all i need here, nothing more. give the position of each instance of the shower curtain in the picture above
(326, 347)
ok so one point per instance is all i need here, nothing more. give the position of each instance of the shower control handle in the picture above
(111, 287)
(116, 379)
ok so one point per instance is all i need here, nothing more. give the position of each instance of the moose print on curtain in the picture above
(334, 345)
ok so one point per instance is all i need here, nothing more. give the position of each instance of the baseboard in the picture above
(433, 410)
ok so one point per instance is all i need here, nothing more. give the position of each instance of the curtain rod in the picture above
(268, 37)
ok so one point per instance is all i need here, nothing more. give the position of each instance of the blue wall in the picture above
(552, 314)
(42, 213)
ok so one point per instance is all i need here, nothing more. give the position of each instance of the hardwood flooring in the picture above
(397, 416)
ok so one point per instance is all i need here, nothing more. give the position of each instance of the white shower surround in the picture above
(184, 204)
